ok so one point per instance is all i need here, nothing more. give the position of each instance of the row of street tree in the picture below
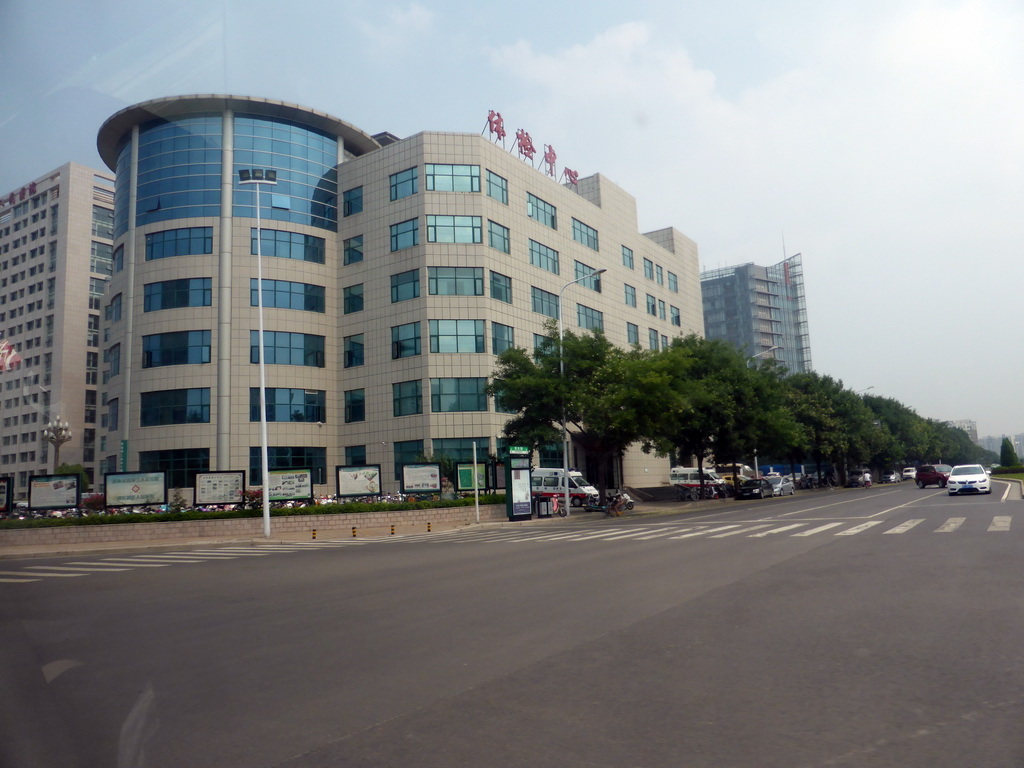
(702, 398)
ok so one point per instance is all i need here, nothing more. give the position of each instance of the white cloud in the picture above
(400, 26)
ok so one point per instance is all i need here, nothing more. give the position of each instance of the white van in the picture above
(689, 477)
(550, 483)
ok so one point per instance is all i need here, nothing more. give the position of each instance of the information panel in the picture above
(464, 477)
(291, 485)
(136, 489)
(358, 480)
(227, 487)
(54, 491)
(421, 478)
(6, 485)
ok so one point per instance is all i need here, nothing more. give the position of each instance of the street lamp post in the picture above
(258, 177)
(764, 352)
(56, 433)
(561, 376)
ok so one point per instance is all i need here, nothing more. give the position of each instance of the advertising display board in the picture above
(518, 493)
(291, 485)
(6, 485)
(54, 491)
(136, 489)
(421, 478)
(358, 480)
(464, 477)
(227, 487)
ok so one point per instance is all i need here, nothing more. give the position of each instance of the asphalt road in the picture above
(875, 627)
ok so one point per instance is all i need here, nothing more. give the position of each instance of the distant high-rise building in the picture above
(761, 310)
(968, 426)
(56, 235)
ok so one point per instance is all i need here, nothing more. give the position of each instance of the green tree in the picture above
(1008, 456)
(75, 469)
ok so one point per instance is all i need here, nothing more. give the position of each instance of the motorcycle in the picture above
(627, 501)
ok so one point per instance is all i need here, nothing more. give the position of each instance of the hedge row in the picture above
(193, 514)
(1017, 470)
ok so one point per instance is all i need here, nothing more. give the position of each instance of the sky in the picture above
(882, 140)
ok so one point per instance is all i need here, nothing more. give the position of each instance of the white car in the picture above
(968, 478)
(909, 473)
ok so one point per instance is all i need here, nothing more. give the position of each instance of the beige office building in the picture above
(55, 259)
(393, 273)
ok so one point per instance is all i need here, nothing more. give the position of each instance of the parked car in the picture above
(781, 486)
(933, 474)
(968, 478)
(891, 477)
(909, 473)
(755, 489)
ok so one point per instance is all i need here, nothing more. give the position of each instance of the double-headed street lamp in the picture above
(561, 376)
(56, 433)
(257, 177)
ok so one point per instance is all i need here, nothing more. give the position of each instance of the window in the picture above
(501, 287)
(460, 448)
(404, 183)
(406, 452)
(661, 309)
(498, 237)
(674, 315)
(652, 339)
(652, 306)
(282, 294)
(589, 318)
(353, 252)
(452, 178)
(113, 414)
(454, 229)
(664, 341)
(497, 187)
(175, 406)
(451, 395)
(113, 311)
(502, 337)
(355, 455)
(352, 298)
(354, 351)
(102, 258)
(355, 405)
(102, 222)
(541, 211)
(673, 282)
(583, 271)
(118, 259)
(181, 465)
(113, 357)
(289, 245)
(543, 257)
(584, 235)
(175, 348)
(632, 333)
(352, 201)
(288, 457)
(283, 404)
(648, 269)
(659, 274)
(286, 348)
(405, 286)
(407, 397)
(455, 281)
(456, 335)
(627, 257)
(543, 302)
(630, 295)
(405, 234)
(405, 340)
(189, 241)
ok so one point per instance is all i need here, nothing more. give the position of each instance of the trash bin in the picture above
(542, 506)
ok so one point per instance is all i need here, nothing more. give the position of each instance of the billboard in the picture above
(290, 485)
(227, 487)
(421, 478)
(54, 491)
(358, 480)
(136, 489)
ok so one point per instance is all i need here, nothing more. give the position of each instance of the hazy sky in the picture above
(882, 140)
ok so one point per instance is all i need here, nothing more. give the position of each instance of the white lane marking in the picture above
(702, 533)
(904, 527)
(659, 534)
(133, 563)
(950, 525)
(826, 506)
(16, 581)
(601, 535)
(93, 567)
(629, 535)
(40, 573)
(228, 552)
(741, 530)
(776, 530)
(859, 528)
(819, 529)
(1000, 523)
(165, 559)
(1006, 492)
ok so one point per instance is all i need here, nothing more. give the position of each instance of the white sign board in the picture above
(136, 489)
(359, 481)
(220, 487)
(289, 484)
(53, 491)
(421, 477)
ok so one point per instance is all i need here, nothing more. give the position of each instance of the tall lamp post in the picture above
(56, 433)
(258, 177)
(561, 376)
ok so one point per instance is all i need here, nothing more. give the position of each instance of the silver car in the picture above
(781, 486)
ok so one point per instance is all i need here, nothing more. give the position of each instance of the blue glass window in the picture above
(405, 234)
(627, 257)
(543, 302)
(174, 294)
(673, 282)
(353, 250)
(630, 295)
(452, 178)
(543, 257)
(457, 336)
(181, 465)
(405, 286)
(497, 187)
(404, 183)
(175, 348)
(589, 318)
(455, 281)
(188, 241)
(352, 298)
(454, 229)
(405, 340)
(354, 348)
(288, 457)
(406, 452)
(632, 333)
(407, 397)
(175, 406)
(451, 395)
(286, 348)
(501, 287)
(289, 245)
(592, 281)
(498, 237)
(284, 404)
(502, 337)
(541, 211)
(584, 234)
(283, 294)
(352, 201)
(355, 405)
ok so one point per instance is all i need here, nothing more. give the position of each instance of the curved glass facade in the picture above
(305, 161)
(179, 168)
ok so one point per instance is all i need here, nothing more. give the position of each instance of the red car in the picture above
(933, 474)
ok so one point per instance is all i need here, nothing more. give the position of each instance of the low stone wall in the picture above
(405, 521)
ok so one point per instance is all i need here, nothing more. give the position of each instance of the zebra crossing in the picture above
(120, 564)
